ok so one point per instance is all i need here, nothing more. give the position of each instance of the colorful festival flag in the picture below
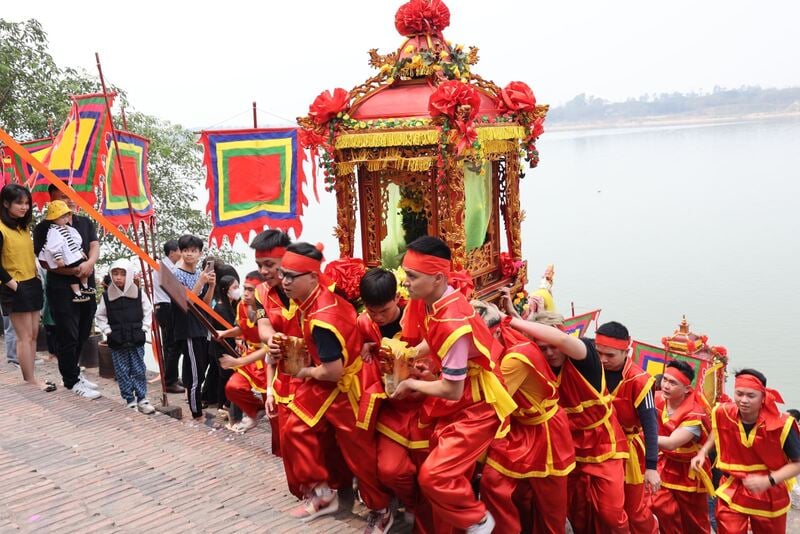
(18, 171)
(79, 151)
(255, 180)
(654, 359)
(578, 326)
(133, 153)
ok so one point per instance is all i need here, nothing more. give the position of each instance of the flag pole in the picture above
(158, 351)
(255, 117)
(118, 155)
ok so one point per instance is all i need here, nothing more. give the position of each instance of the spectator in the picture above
(73, 321)
(63, 248)
(165, 318)
(124, 318)
(21, 294)
(189, 331)
(226, 305)
(11, 341)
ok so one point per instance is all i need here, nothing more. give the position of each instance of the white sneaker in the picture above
(245, 424)
(82, 390)
(132, 405)
(88, 383)
(484, 527)
(146, 408)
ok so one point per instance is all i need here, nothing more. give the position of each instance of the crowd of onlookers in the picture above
(47, 271)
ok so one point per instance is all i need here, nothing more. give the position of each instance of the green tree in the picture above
(35, 91)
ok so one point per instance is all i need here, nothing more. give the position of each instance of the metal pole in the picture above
(255, 117)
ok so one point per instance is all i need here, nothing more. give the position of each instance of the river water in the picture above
(650, 224)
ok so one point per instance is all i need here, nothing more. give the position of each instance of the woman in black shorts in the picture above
(21, 293)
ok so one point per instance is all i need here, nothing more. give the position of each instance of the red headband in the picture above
(677, 375)
(255, 282)
(425, 263)
(614, 343)
(274, 252)
(299, 263)
(769, 410)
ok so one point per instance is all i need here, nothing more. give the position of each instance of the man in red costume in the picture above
(402, 442)
(538, 450)
(681, 505)
(631, 391)
(328, 396)
(597, 485)
(248, 385)
(468, 403)
(758, 449)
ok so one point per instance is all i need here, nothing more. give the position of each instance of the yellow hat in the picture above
(56, 209)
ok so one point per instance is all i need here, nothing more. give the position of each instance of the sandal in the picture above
(49, 387)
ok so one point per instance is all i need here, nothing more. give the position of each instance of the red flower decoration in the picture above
(517, 96)
(422, 16)
(452, 97)
(508, 267)
(347, 273)
(310, 138)
(326, 106)
(538, 127)
(460, 103)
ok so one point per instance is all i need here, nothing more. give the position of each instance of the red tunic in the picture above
(285, 321)
(254, 373)
(674, 466)
(539, 443)
(759, 453)
(397, 420)
(626, 398)
(450, 318)
(595, 430)
(312, 398)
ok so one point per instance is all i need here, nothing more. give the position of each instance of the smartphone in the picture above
(210, 266)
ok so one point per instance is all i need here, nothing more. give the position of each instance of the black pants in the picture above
(169, 347)
(73, 323)
(195, 363)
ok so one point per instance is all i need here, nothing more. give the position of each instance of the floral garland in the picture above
(517, 99)
(347, 273)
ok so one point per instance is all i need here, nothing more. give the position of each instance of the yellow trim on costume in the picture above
(494, 392)
(370, 408)
(312, 421)
(648, 386)
(538, 419)
(452, 338)
(335, 331)
(405, 442)
(633, 469)
(724, 465)
(530, 474)
(249, 379)
(787, 427)
(770, 514)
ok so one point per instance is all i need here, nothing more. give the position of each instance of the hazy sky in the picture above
(203, 65)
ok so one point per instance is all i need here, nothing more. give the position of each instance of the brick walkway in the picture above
(70, 464)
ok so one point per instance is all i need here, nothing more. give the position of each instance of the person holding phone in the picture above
(190, 333)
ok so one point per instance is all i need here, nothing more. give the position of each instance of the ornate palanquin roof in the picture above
(425, 95)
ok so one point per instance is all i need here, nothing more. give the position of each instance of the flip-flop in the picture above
(49, 387)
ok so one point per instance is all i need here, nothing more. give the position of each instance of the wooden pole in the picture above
(158, 352)
(255, 117)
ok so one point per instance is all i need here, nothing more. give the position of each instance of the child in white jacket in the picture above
(124, 316)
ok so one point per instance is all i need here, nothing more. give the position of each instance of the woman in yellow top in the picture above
(21, 293)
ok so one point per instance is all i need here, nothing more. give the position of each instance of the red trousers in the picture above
(239, 392)
(597, 498)
(397, 470)
(682, 511)
(291, 481)
(306, 454)
(637, 506)
(732, 522)
(457, 442)
(548, 515)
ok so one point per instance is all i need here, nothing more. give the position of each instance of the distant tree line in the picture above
(719, 103)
